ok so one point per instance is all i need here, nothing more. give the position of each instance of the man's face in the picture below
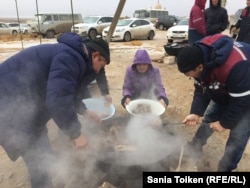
(248, 3)
(98, 61)
(195, 73)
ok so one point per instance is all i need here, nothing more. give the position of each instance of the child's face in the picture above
(141, 68)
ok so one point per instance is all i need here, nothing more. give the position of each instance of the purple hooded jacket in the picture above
(143, 85)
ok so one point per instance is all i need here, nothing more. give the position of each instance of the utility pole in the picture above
(115, 20)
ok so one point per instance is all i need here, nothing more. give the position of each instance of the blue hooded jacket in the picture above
(40, 83)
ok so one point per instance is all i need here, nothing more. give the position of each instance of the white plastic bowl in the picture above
(98, 105)
(156, 107)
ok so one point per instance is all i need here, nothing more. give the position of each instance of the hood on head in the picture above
(141, 57)
(71, 39)
(201, 3)
(211, 4)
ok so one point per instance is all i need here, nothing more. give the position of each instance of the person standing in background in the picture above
(216, 18)
(244, 25)
(197, 28)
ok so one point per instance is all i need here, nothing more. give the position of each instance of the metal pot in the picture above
(174, 48)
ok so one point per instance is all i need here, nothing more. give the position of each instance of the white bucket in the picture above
(99, 106)
(155, 107)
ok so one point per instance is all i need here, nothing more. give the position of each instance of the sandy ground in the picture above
(179, 90)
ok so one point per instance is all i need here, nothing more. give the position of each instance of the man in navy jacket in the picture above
(221, 71)
(46, 82)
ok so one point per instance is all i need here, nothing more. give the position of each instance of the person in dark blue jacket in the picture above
(221, 71)
(46, 82)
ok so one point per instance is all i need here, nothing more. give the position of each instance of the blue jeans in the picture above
(236, 142)
(194, 36)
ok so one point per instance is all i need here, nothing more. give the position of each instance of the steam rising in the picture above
(152, 142)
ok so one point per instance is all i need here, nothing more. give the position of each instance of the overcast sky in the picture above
(27, 8)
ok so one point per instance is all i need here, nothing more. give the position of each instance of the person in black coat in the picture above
(243, 25)
(216, 18)
(46, 82)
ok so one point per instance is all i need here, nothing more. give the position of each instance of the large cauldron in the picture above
(173, 48)
(121, 171)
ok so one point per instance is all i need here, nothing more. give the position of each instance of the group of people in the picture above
(214, 19)
(203, 22)
(49, 81)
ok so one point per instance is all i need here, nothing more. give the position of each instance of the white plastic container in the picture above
(154, 107)
(99, 106)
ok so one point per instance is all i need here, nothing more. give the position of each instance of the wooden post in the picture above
(115, 19)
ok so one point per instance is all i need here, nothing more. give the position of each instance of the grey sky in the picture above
(27, 8)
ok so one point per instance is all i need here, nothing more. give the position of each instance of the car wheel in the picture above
(50, 34)
(14, 32)
(92, 34)
(151, 35)
(127, 37)
(161, 27)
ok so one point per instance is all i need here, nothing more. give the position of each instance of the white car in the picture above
(25, 28)
(92, 26)
(179, 31)
(6, 29)
(129, 29)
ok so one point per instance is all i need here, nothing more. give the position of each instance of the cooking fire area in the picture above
(119, 151)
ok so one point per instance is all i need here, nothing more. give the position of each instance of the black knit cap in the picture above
(100, 45)
(189, 58)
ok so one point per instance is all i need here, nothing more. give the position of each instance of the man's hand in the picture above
(233, 29)
(108, 100)
(80, 142)
(191, 119)
(216, 126)
(92, 116)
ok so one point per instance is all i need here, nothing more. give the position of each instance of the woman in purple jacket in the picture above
(142, 80)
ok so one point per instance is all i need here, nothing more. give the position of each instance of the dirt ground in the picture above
(178, 87)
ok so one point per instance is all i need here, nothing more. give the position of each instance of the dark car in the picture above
(163, 23)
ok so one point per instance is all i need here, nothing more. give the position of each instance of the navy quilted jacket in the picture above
(40, 83)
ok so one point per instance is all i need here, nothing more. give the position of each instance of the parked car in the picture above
(25, 28)
(163, 23)
(179, 31)
(51, 24)
(132, 28)
(5, 29)
(92, 26)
